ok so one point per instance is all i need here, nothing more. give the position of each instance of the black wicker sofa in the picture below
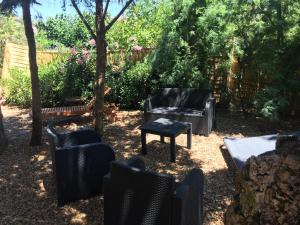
(196, 106)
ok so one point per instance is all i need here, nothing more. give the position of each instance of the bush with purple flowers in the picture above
(80, 69)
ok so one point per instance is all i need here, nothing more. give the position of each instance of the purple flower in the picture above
(137, 48)
(35, 30)
(85, 51)
(92, 42)
(79, 61)
(86, 56)
(73, 51)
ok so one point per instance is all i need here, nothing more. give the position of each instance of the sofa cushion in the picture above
(177, 111)
(194, 98)
(169, 97)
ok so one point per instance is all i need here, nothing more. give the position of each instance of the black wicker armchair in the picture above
(80, 161)
(133, 196)
(196, 106)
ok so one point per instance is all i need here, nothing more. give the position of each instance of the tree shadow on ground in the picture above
(27, 183)
(234, 123)
(218, 194)
(24, 199)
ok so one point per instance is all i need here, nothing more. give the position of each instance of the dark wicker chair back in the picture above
(140, 198)
(133, 196)
(54, 141)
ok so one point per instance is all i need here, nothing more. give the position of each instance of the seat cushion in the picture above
(177, 111)
(241, 149)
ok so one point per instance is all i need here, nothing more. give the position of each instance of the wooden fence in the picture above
(115, 57)
(16, 56)
(2, 46)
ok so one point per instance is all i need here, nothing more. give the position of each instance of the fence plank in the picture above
(17, 56)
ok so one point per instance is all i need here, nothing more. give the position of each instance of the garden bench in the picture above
(196, 106)
(78, 110)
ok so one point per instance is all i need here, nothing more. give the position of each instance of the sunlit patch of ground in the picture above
(28, 193)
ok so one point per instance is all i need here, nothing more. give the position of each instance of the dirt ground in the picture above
(27, 190)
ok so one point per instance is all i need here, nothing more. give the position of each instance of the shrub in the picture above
(80, 73)
(180, 59)
(270, 103)
(17, 88)
(52, 80)
(131, 86)
(59, 79)
(65, 29)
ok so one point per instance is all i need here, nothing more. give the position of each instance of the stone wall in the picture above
(269, 188)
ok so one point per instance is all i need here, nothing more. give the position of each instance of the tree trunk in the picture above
(280, 21)
(240, 76)
(100, 67)
(36, 135)
(3, 139)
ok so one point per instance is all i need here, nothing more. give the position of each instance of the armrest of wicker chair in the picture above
(209, 115)
(147, 105)
(188, 200)
(210, 103)
(136, 162)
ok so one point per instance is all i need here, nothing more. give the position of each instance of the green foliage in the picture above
(266, 36)
(191, 38)
(12, 29)
(262, 35)
(17, 88)
(132, 86)
(52, 81)
(188, 41)
(43, 42)
(140, 26)
(270, 103)
(64, 29)
(80, 70)
(68, 76)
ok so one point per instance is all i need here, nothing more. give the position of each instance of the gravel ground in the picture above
(26, 186)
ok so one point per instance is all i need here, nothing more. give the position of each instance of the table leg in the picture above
(162, 139)
(144, 143)
(189, 138)
(173, 149)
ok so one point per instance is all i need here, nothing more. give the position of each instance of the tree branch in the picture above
(83, 19)
(105, 10)
(118, 16)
